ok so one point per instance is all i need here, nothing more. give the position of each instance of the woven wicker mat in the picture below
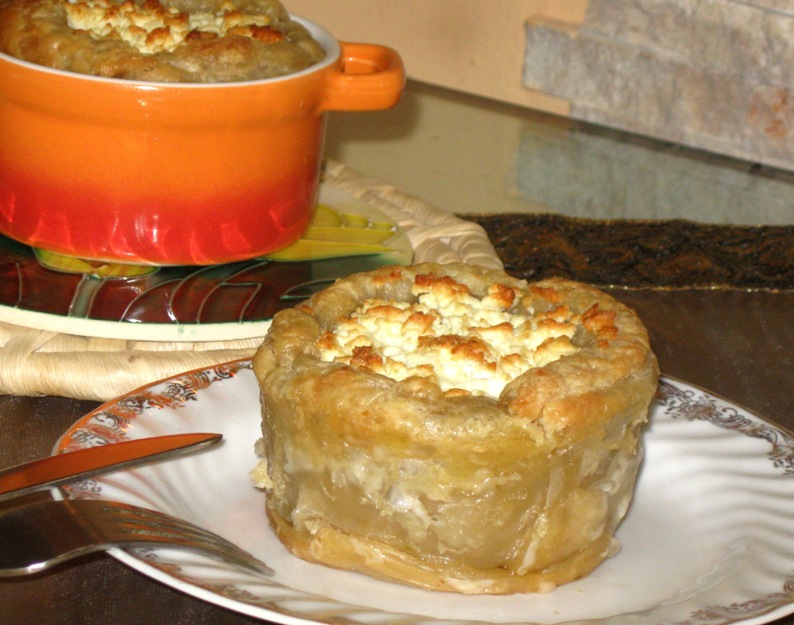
(36, 362)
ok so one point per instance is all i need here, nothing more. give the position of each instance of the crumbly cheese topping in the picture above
(468, 345)
(152, 28)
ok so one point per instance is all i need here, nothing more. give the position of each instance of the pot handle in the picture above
(368, 77)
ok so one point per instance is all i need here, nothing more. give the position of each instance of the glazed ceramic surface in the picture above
(188, 303)
(171, 174)
(708, 540)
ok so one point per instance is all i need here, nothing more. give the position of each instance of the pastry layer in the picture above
(514, 486)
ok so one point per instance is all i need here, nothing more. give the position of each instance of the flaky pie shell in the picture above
(458, 493)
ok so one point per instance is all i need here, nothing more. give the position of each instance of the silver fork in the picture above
(37, 536)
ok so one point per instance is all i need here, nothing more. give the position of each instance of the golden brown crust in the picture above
(39, 31)
(450, 490)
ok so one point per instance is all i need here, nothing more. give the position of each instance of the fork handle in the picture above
(37, 536)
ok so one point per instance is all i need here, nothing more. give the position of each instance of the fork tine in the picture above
(37, 536)
(147, 527)
(146, 520)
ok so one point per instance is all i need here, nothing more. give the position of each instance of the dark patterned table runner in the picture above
(642, 253)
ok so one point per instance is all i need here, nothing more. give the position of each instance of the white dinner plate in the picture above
(709, 538)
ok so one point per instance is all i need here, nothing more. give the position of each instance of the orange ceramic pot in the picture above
(170, 174)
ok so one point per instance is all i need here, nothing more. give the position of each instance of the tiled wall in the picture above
(712, 74)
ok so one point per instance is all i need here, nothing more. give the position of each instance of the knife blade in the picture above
(84, 463)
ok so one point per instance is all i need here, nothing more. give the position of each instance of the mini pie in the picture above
(453, 428)
(194, 41)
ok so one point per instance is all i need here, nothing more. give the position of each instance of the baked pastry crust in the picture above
(156, 40)
(450, 490)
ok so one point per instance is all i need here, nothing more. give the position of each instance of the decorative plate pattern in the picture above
(709, 539)
(217, 302)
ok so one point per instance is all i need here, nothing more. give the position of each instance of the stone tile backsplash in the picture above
(711, 74)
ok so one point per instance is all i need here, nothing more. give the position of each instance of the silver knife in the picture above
(84, 463)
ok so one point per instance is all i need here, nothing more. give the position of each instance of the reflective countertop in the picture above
(466, 154)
